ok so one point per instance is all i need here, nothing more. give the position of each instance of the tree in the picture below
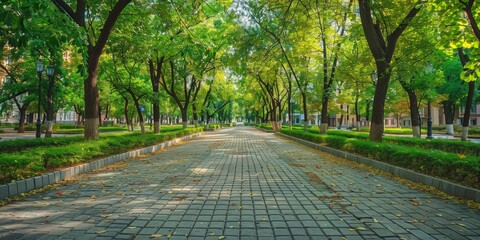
(382, 45)
(86, 16)
(459, 16)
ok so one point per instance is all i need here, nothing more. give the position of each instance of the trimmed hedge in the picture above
(81, 130)
(24, 144)
(28, 163)
(458, 147)
(457, 168)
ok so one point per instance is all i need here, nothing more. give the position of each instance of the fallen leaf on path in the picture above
(101, 231)
(156, 236)
(360, 228)
(461, 225)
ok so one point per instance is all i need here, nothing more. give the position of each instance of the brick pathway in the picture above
(236, 183)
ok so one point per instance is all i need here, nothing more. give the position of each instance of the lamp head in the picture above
(39, 67)
(50, 70)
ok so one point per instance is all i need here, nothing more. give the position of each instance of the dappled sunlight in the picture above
(183, 189)
(107, 174)
(201, 170)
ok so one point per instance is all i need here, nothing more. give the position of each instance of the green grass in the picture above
(30, 157)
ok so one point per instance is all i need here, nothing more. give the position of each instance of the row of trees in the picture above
(200, 56)
(388, 55)
(141, 53)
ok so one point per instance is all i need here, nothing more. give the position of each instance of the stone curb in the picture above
(443, 185)
(26, 185)
(265, 130)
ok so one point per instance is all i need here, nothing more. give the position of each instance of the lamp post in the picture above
(51, 83)
(429, 108)
(39, 74)
(290, 112)
(429, 121)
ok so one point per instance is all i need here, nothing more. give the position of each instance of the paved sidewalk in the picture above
(231, 184)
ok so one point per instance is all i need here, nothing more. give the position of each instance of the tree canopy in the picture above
(256, 60)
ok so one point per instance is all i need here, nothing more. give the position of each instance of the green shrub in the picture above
(453, 146)
(458, 168)
(23, 144)
(70, 150)
(68, 126)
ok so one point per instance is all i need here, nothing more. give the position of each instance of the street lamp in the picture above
(50, 71)
(40, 67)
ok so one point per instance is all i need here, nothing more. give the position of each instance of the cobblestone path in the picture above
(237, 183)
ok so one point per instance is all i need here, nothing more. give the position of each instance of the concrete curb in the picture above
(264, 130)
(443, 185)
(26, 185)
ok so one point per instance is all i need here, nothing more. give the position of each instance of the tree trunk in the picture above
(184, 117)
(468, 107)
(21, 121)
(449, 112)
(49, 127)
(107, 111)
(273, 115)
(324, 118)
(414, 115)
(464, 59)
(155, 75)
(91, 97)
(357, 114)
(100, 122)
(377, 127)
(125, 111)
(140, 115)
(305, 112)
(195, 114)
(340, 122)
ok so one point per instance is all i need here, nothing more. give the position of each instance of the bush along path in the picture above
(21, 171)
(458, 168)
